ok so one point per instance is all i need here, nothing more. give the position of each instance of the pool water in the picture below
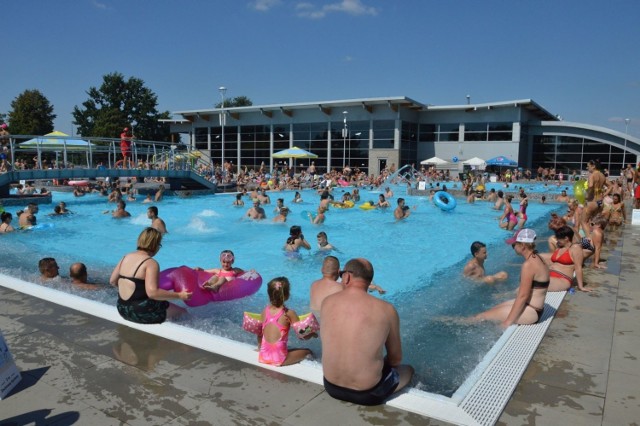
(418, 262)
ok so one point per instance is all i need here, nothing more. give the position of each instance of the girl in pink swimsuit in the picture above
(276, 322)
(221, 275)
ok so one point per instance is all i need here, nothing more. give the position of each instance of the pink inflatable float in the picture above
(188, 279)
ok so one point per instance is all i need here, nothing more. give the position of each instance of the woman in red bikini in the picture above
(565, 262)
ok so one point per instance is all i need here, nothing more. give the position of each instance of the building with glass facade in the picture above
(374, 133)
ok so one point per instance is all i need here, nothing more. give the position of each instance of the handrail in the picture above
(104, 152)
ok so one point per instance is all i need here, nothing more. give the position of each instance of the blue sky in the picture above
(577, 58)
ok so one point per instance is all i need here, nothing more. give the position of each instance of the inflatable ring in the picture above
(308, 324)
(343, 205)
(579, 189)
(369, 205)
(444, 200)
(184, 278)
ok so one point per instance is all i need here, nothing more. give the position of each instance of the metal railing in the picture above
(62, 152)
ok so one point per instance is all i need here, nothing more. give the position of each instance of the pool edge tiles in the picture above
(479, 400)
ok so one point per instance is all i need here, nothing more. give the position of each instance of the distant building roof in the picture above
(393, 102)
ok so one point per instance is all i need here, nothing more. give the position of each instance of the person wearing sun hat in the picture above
(528, 306)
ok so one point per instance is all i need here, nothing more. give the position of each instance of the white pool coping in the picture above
(479, 401)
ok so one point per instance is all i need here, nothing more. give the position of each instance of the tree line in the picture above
(116, 104)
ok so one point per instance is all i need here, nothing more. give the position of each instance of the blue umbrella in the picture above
(502, 161)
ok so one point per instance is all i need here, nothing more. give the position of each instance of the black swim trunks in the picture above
(147, 311)
(374, 396)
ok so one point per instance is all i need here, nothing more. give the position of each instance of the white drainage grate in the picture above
(490, 394)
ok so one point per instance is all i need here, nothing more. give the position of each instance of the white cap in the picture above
(522, 236)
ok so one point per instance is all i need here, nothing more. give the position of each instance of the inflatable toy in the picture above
(369, 205)
(444, 200)
(579, 190)
(184, 278)
(343, 182)
(308, 324)
(79, 182)
(343, 205)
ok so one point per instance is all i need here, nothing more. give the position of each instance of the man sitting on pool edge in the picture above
(357, 329)
(474, 268)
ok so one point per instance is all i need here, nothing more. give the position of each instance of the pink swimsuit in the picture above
(227, 274)
(274, 353)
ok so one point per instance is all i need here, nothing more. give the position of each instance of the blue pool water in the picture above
(418, 261)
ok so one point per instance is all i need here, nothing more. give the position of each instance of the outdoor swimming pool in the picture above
(418, 262)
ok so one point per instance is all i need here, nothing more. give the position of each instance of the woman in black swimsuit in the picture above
(528, 306)
(136, 276)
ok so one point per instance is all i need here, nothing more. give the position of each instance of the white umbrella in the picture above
(435, 161)
(475, 161)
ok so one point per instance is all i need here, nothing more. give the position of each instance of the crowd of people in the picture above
(360, 367)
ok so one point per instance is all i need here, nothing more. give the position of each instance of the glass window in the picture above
(383, 134)
(201, 138)
(475, 132)
(500, 131)
(448, 132)
(427, 133)
(567, 153)
(408, 143)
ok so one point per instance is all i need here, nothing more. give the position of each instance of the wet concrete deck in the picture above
(79, 369)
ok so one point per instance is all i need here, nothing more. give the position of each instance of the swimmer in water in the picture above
(296, 240)
(474, 268)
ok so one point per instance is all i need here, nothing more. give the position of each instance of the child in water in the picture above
(276, 322)
(221, 275)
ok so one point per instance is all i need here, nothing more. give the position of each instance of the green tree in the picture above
(238, 101)
(31, 114)
(120, 103)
